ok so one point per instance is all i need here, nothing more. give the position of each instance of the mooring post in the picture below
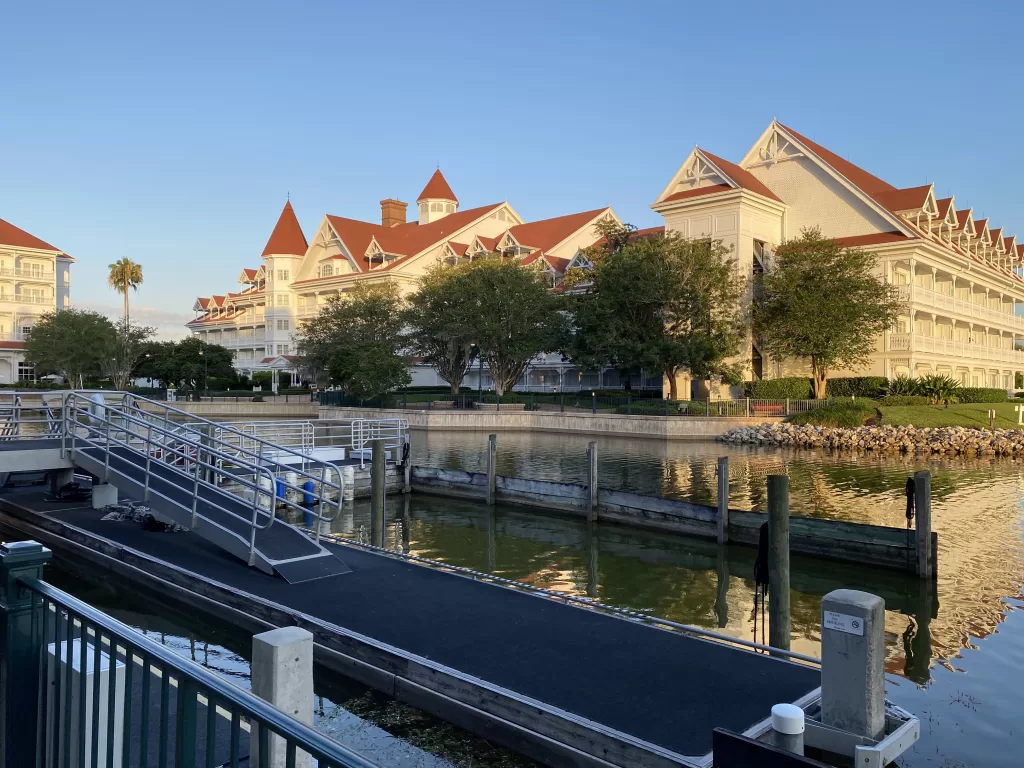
(778, 561)
(923, 519)
(282, 674)
(853, 662)
(723, 499)
(492, 478)
(722, 588)
(407, 465)
(378, 465)
(21, 632)
(592, 480)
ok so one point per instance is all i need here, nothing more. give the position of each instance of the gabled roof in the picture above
(857, 175)
(201, 304)
(947, 211)
(874, 238)
(547, 233)
(965, 221)
(19, 238)
(909, 199)
(981, 227)
(287, 238)
(249, 274)
(996, 236)
(698, 192)
(459, 249)
(437, 189)
(740, 176)
(487, 243)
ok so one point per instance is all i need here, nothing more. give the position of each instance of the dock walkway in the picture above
(662, 687)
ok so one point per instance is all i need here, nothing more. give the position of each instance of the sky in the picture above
(173, 133)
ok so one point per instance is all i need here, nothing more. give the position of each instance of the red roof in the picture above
(19, 238)
(910, 199)
(459, 248)
(961, 218)
(437, 188)
(996, 235)
(742, 177)
(875, 238)
(489, 243)
(547, 233)
(859, 177)
(980, 225)
(287, 237)
(944, 204)
(712, 190)
(640, 234)
(250, 273)
(12, 344)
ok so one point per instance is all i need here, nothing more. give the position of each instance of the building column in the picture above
(934, 271)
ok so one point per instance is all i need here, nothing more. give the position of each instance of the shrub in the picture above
(903, 385)
(981, 395)
(905, 400)
(938, 387)
(838, 413)
(792, 388)
(858, 386)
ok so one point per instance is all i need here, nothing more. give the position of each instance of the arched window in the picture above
(450, 208)
(423, 209)
(435, 208)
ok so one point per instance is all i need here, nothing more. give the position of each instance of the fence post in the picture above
(492, 455)
(787, 406)
(778, 561)
(723, 499)
(667, 401)
(748, 407)
(21, 616)
(592, 480)
(561, 402)
(405, 402)
(629, 405)
(593, 402)
(923, 521)
(378, 465)
(709, 406)
(282, 674)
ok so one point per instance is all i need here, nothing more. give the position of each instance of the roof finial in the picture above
(289, 196)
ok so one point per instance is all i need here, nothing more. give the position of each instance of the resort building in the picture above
(34, 279)
(260, 322)
(958, 274)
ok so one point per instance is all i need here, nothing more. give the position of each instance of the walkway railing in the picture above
(137, 704)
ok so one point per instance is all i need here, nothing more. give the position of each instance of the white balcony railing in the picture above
(13, 336)
(38, 275)
(925, 297)
(901, 342)
(14, 298)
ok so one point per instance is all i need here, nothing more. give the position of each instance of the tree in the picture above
(512, 315)
(186, 364)
(439, 322)
(357, 338)
(125, 348)
(125, 274)
(822, 302)
(70, 343)
(661, 303)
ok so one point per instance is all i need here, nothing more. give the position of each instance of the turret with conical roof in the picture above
(287, 238)
(437, 199)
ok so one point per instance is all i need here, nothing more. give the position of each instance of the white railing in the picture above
(956, 306)
(901, 342)
(29, 274)
(14, 298)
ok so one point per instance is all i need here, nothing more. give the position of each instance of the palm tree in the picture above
(125, 274)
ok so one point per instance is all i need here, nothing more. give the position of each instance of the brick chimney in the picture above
(392, 212)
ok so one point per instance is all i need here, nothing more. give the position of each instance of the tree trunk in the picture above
(673, 385)
(820, 374)
(456, 386)
(126, 304)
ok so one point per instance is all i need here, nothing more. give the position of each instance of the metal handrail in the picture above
(193, 681)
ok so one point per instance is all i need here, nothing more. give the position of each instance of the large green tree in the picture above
(357, 337)
(440, 323)
(662, 303)
(123, 352)
(187, 364)
(70, 343)
(510, 313)
(824, 303)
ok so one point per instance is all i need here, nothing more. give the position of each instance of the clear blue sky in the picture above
(172, 132)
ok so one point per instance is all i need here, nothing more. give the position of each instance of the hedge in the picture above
(857, 386)
(838, 413)
(800, 388)
(981, 395)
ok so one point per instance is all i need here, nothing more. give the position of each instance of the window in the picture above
(423, 209)
(282, 274)
(26, 372)
(326, 270)
(450, 208)
(282, 325)
(282, 349)
(435, 208)
(282, 299)
(26, 331)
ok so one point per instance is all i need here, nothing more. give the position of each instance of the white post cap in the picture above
(788, 719)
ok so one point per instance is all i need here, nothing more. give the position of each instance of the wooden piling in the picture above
(778, 562)
(377, 467)
(492, 455)
(923, 519)
(723, 499)
(592, 481)
(407, 468)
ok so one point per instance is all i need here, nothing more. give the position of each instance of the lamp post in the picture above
(206, 371)
(479, 374)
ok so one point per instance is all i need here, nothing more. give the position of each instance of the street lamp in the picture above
(206, 371)
(479, 373)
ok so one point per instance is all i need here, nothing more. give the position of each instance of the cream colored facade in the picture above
(35, 278)
(960, 280)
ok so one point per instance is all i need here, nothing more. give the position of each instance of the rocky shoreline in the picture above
(957, 441)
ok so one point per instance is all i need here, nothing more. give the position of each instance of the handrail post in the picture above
(21, 615)
(149, 457)
(106, 459)
(195, 486)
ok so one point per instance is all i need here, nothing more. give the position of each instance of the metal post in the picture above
(853, 662)
(378, 458)
(593, 402)
(629, 405)
(492, 478)
(592, 480)
(195, 489)
(561, 402)
(407, 465)
(723, 499)
(923, 520)
(778, 561)
(21, 630)
(149, 459)
(106, 461)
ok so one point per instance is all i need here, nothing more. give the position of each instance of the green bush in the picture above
(838, 413)
(903, 385)
(858, 386)
(905, 400)
(792, 388)
(981, 395)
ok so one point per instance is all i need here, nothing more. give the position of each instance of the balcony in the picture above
(901, 342)
(33, 275)
(957, 308)
(14, 298)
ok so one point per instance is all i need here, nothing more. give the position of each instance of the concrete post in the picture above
(492, 456)
(59, 478)
(923, 520)
(778, 561)
(378, 466)
(852, 662)
(592, 480)
(282, 674)
(103, 495)
(723, 499)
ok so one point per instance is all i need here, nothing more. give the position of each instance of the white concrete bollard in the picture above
(103, 495)
(348, 483)
(788, 728)
(852, 662)
(266, 495)
(282, 674)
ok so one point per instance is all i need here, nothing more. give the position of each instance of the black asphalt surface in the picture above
(659, 686)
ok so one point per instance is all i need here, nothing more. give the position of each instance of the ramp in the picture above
(198, 476)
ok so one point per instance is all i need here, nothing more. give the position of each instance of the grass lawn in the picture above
(959, 415)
